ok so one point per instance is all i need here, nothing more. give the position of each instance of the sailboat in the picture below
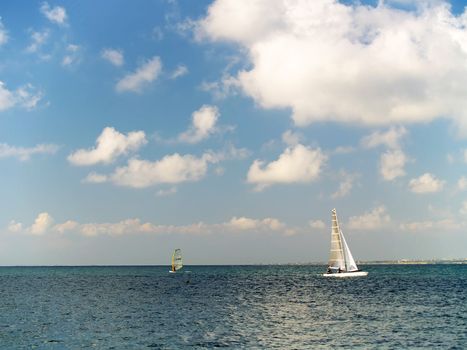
(177, 262)
(341, 261)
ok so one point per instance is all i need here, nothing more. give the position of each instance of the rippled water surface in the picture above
(236, 307)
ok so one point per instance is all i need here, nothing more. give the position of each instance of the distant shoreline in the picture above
(415, 262)
(361, 262)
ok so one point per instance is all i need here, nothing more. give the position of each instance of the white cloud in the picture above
(26, 96)
(66, 226)
(231, 152)
(427, 183)
(14, 226)
(3, 33)
(391, 138)
(109, 145)
(345, 186)
(392, 164)
(180, 71)
(439, 225)
(95, 178)
(383, 65)
(203, 124)
(171, 169)
(228, 85)
(113, 56)
(462, 183)
(72, 56)
(317, 224)
(37, 40)
(7, 97)
(42, 223)
(56, 14)
(298, 164)
(24, 153)
(291, 138)
(375, 219)
(145, 74)
(167, 192)
(248, 224)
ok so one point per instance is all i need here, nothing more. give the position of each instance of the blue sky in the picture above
(231, 130)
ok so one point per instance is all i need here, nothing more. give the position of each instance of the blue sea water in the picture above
(233, 307)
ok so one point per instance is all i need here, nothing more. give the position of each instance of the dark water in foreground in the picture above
(236, 307)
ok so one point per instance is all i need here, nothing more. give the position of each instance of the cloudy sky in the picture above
(230, 129)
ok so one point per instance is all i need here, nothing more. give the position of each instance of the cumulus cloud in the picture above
(14, 226)
(291, 138)
(37, 40)
(171, 169)
(55, 14)
(429, 225)
(66, 226)
(95, 178)
(113, 56)
(24, 153)
(392, 164)
(180, 71)
(345, 186)
(42, 223)
(228, 85)
(375, 219)
(72, 55)
(7, 97)
(26, 96)
(462, 183)
(167, 192)
(3, 33)
(298, 164)
(317, 224)
(109, 145)
(203, 124)
(144, 75)
(390, 138)
(383, 65)
(427, 183)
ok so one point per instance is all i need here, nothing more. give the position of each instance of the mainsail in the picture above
(336, 256)
(177, 262)
(340, 257)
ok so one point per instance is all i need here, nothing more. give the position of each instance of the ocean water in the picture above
(233, 307)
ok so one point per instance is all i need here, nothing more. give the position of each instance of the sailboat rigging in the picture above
(341, 261)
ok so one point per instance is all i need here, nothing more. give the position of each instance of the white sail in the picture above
(350, 264)
(336, 256)
(341, 261)
(177, 262)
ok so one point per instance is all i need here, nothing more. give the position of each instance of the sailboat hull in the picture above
(346, 274)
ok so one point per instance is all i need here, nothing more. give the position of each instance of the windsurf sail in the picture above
(177, 262)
